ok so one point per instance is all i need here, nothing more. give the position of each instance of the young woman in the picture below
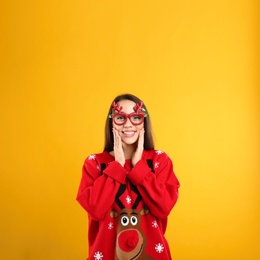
(129, 189)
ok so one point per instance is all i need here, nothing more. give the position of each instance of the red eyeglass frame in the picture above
(138, 108)
(129, 117)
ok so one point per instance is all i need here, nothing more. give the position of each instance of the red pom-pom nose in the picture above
(128, 240)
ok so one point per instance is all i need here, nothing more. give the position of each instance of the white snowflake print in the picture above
(156, 165)
(159, 152)
(110, 225)
(92, 157)
(159, 248)
(128, 199)
(154, 224)
(98, 255)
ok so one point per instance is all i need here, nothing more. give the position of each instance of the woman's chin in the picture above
(129, 141)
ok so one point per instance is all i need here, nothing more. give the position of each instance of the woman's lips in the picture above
(128, 133)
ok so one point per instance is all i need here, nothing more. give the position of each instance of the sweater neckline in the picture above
(111, 156)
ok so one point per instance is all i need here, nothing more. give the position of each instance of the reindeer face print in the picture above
(130, 240)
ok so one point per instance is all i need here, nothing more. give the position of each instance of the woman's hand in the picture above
(137, 156)
(118, 149)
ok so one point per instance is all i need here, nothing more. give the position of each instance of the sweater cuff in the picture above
(116, 172)
(139, 172)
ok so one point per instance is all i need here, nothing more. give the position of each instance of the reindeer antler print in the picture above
(121, 190)
(138, 199)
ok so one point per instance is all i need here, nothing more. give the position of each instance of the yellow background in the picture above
(194, 63)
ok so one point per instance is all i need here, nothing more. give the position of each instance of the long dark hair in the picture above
(148, 137)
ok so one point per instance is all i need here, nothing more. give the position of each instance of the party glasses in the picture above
(121, 118)
(136, 118)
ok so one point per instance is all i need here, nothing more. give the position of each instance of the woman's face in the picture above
(128, 132)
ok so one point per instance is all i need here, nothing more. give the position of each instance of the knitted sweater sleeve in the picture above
(97, 191)
(159, 190)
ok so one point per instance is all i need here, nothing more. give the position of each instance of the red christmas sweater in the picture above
(128, 206)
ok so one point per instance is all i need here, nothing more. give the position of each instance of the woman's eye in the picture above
(120, 118)
(136, 118)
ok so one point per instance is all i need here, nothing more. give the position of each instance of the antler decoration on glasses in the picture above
(138, 108)
(116, 107)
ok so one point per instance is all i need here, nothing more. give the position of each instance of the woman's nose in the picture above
(127, 122)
